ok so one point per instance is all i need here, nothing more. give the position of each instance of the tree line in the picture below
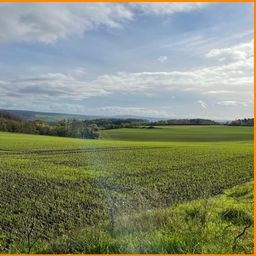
(242, 122)
(196, 121)
(87, 129)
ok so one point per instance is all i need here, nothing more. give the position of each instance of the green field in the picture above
(181, 133)
(177, 189)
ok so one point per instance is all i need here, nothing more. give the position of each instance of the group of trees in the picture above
(87, 129)
(65, 128)
(196, 121)
(68, 128)
(242, 122)
(114, 123)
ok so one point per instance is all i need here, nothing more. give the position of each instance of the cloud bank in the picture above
(229, 83)
(49, 22)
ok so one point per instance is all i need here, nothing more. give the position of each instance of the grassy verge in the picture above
(220, 224)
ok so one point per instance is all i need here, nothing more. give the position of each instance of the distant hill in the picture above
(5, 115)
(55, 117)
(45, 116)
(151, 119)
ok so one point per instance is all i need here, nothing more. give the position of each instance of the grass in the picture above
(64, 195)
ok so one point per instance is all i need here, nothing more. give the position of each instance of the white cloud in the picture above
(195, 41)
(162, 59)
(202, 104)
(48, 22)
(53, 85)
(239, 52)
(219, 92)
(232, 103)
(167, 8)
(78, 72)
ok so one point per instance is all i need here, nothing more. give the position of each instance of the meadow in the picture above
(175, 189)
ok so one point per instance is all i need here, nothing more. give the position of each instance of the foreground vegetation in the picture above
(121, 195)
(221, 224)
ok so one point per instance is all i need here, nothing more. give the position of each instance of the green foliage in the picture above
(196, 121)
(64, 128)
(242, 122)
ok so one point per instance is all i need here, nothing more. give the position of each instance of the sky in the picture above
(169, 60)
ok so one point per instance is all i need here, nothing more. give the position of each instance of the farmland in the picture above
(182, 133)
(172, 189)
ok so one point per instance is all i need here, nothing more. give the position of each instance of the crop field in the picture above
(182, 133)
(170, 189)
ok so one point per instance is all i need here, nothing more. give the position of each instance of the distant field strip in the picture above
(182, 133)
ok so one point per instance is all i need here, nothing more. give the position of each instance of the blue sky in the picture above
(172, 60)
